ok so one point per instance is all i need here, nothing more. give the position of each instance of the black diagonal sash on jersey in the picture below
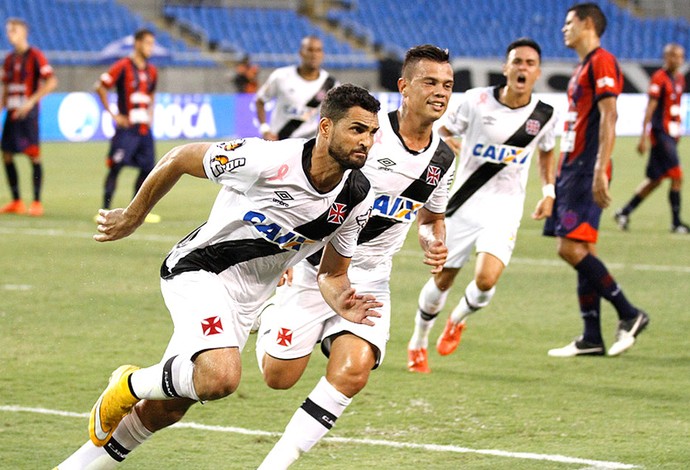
(521, 138)
(420, 190)
(292, 125)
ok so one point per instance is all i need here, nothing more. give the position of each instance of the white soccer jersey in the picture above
(268, 216)
(296, 112)
(496, 136)
(403, 182)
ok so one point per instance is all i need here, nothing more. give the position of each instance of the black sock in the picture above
(590, 309)
(674, 199)
(110, 184)
(12, 179)
(596, 273)
(38, 180)
(631, 205)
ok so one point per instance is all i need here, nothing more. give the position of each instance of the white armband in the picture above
(548, 190)
(264, 127)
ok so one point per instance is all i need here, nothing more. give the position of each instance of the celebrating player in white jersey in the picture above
(280, 202)
(410, 170)
(502, 128)
(298, 91)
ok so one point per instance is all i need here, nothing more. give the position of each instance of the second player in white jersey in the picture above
(501, 128)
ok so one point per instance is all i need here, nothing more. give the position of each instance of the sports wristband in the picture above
(264, 127)
(548, 190)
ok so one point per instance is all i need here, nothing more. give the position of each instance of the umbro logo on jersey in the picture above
(386, 162)
(282, 197)
(222, 164)
(337, 213)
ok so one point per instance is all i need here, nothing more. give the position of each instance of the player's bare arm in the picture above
(450, 139)
(46, 86)
(546, 173)
(338, 293)
(649, 112)
(265, 130)
(120, 223)
(432, 235)
(607, 137)
(102, 92)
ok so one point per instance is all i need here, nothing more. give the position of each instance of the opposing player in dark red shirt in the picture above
(27, 77)
(663, 114)
(134, 80)
(582, 184)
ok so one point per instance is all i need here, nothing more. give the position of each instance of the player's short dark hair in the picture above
(18, 21)
(591, 10)
(425, 51)
(142, 33)
(340, 99)
(524, 41)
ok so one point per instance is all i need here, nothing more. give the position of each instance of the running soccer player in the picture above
(134, 79)
(409, 167)
(502, 128)
(582, 184)
(27, 77)
(270, 214)
(663, 113)
(298, 91)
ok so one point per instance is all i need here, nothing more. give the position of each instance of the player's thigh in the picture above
(204, 316)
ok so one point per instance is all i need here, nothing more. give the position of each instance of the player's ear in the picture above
(325, 127)
(402, 84)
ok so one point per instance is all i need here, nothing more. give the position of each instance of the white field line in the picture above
(593, 464)
(556, 263)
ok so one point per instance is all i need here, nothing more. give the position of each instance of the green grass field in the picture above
(71, 310)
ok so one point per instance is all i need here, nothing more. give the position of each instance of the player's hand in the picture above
(600, 189)
(114, 225)
(22, 111)
(642, 146)
(121, 120)
(544, 208)
(269, 136)
(436, 255)
(286, 278)
(357, 308)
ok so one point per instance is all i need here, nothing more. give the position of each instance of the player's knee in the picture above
(213, 383)
(444, 279)
(350, 380)
(279, 379)
(486, 281)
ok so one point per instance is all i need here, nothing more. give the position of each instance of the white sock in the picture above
(308, 425)
(173, 378)
(473, 300)
(129, 434)
(431, 301)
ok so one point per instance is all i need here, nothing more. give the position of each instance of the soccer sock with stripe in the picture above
(674, 199)
(128, 436)
(12, 179)
(308, 425)
(590, 309)
(596, 273)
(473, 300)
(38, 180)
(173, 378)
(431, 302)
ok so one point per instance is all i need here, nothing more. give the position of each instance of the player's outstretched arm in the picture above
(432, 235)
(339, 295)
(120, 223)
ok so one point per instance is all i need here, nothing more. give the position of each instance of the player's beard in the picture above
(345, 157)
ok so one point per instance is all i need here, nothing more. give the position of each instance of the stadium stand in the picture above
(270, 35)
(86, 27)
(482, 29)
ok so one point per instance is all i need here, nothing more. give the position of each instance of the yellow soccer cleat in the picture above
(115, 403)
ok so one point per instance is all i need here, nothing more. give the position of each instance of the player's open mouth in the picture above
(438, 105)
(521, 79)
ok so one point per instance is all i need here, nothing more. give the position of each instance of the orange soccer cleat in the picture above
(15, 207)
(450, 338)
(417, 361)
(36, 209)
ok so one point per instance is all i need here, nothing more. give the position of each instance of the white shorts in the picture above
(301, 318)
(462, 235)
(204, 314)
